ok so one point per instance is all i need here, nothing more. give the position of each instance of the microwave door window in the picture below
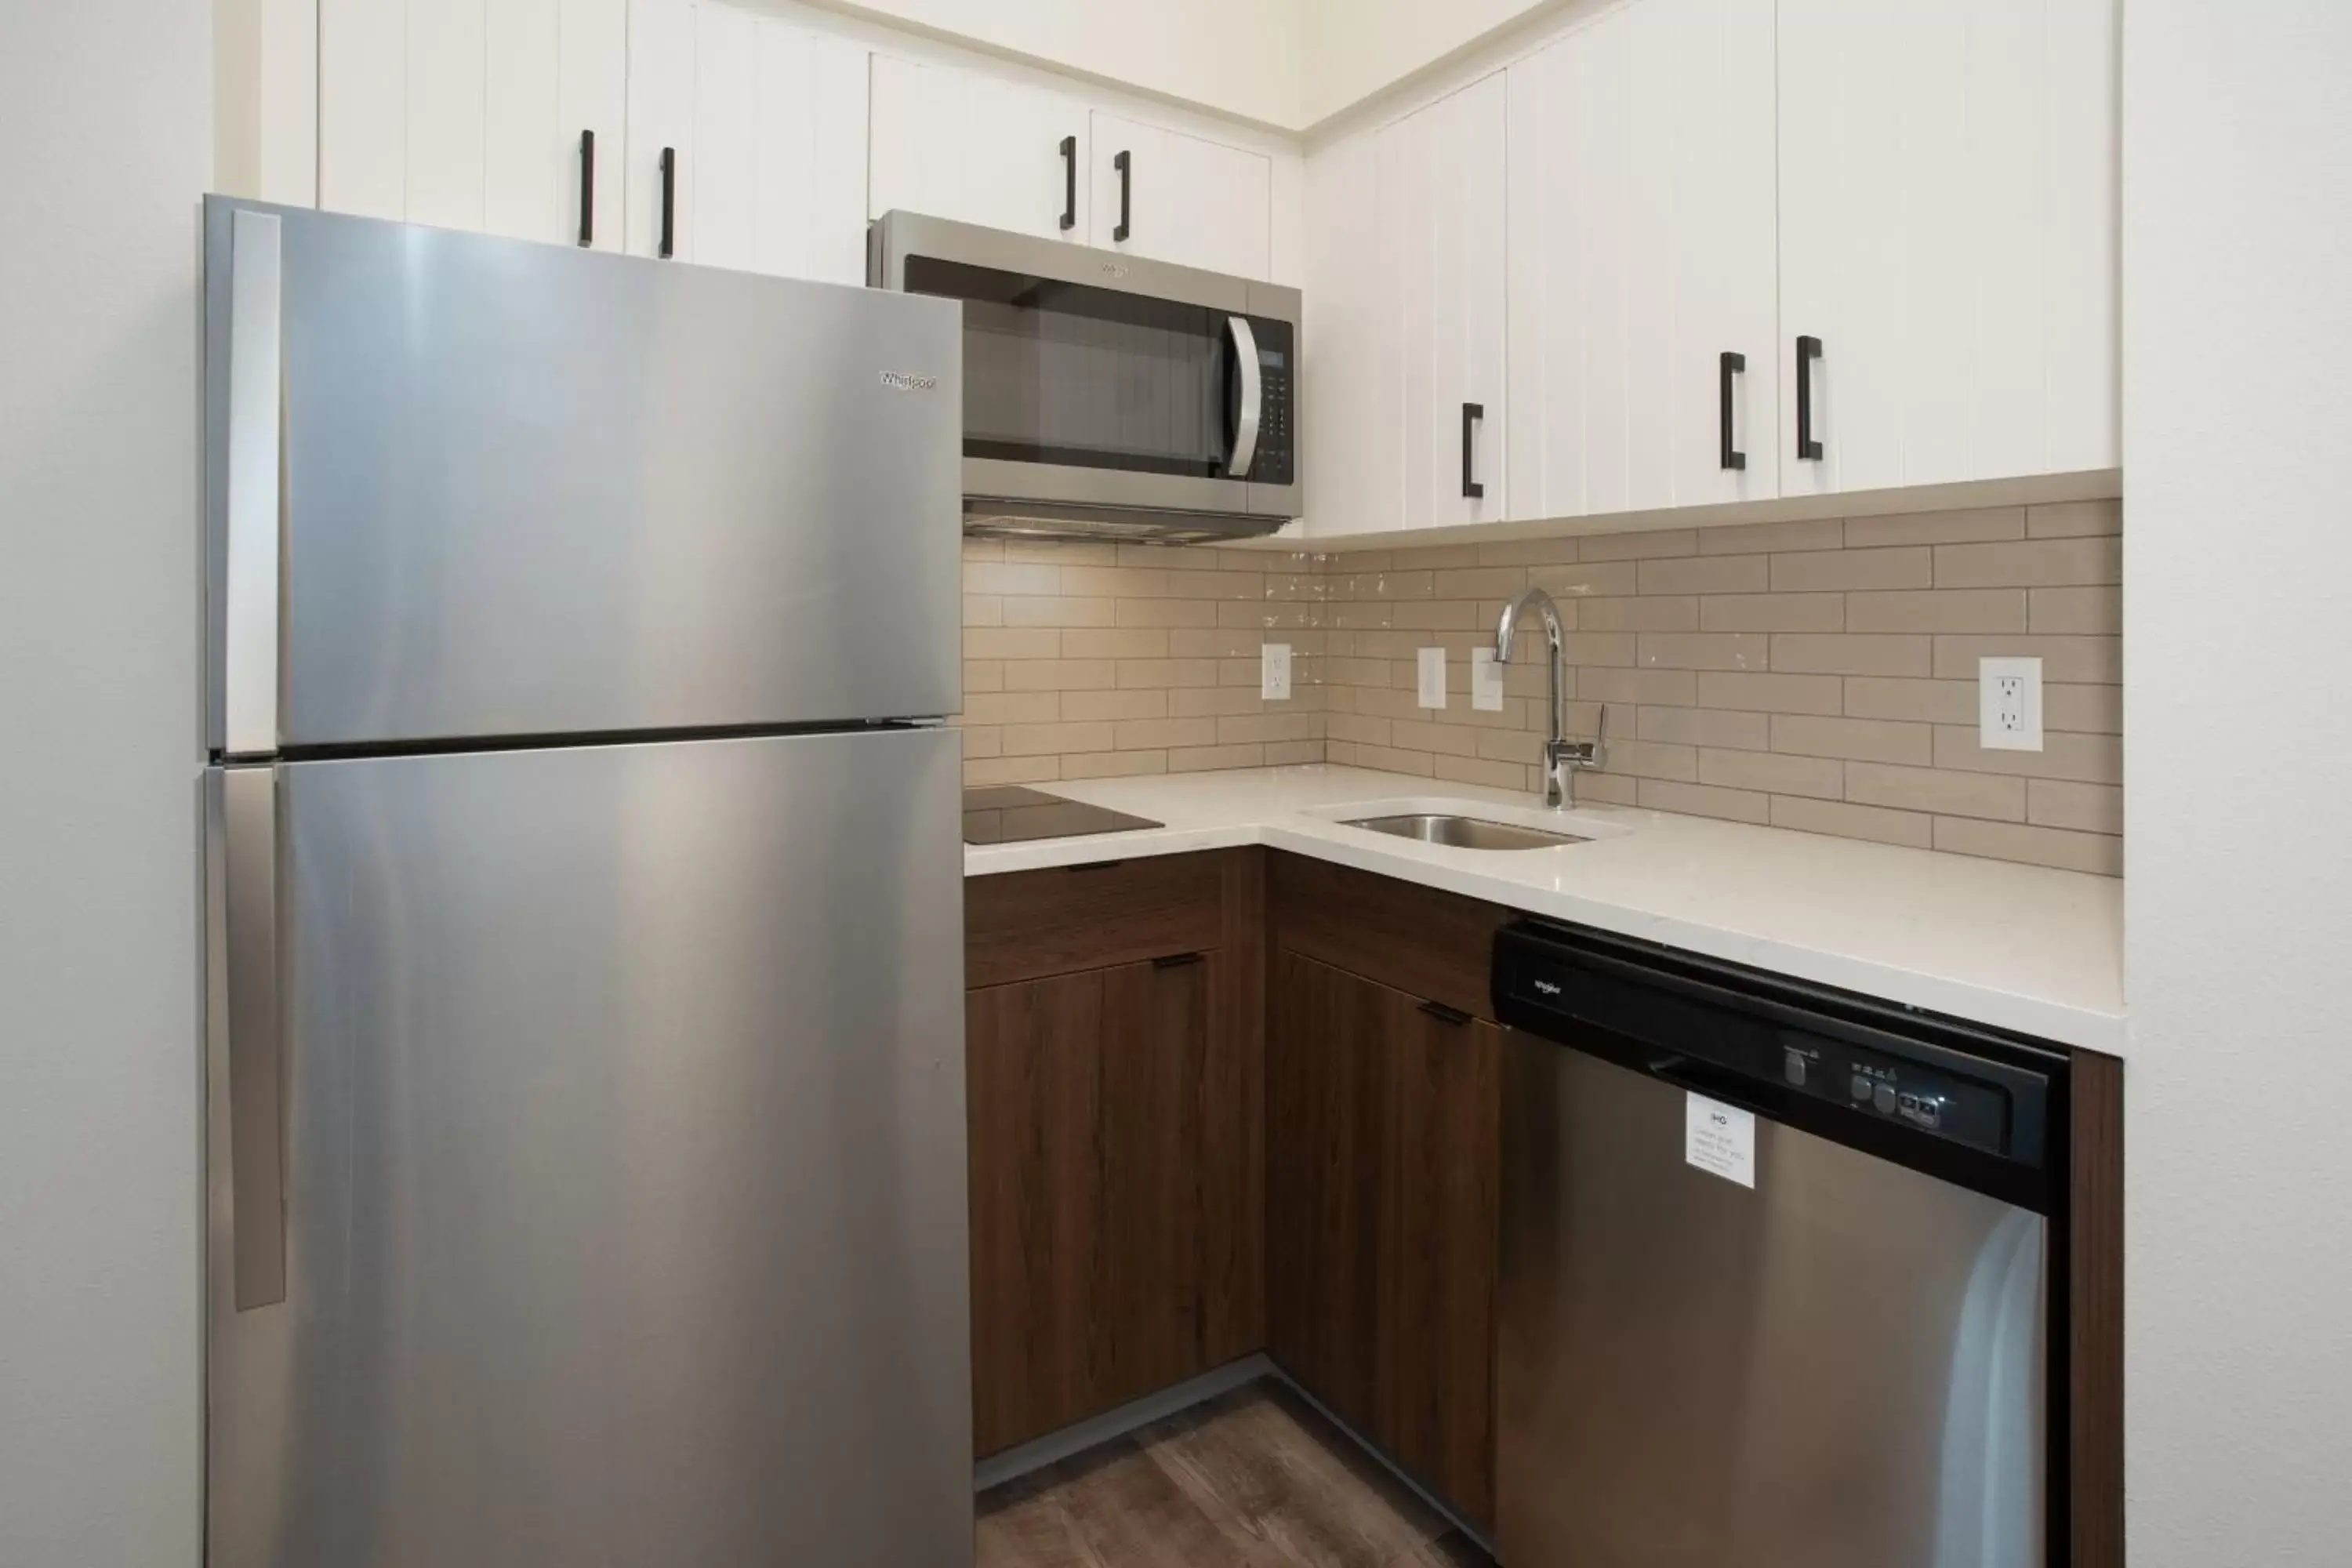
(1066, 374)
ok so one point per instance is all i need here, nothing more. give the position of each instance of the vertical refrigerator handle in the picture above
(257, 401)
(1253, 399)
(243, 804)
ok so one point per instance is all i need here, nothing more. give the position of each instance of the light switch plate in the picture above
(1485, 682)
(2008, 704)
(1432, 677)
(1273, 672)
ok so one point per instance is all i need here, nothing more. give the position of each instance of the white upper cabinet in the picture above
(555, 90)
(1172, 198)
(549, 120)
(363, 106)
(979, 149)
(779, 148)
(475, 114)
(1949, 193)
(657, 187)
(1642, 302)
(1351, 400)
(1442, 224)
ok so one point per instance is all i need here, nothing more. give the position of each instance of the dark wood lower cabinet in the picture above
(1093, 1215)
(1382, 1205)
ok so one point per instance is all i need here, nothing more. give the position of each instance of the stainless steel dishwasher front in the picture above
(1844, 1364)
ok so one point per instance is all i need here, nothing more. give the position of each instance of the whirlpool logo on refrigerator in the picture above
(903, 381)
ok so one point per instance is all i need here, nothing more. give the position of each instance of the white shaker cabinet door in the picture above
(363, 106)
(1441, 214)
(1949, 188)
(446, 152)
(1173, 197)
(661, 124)
(1641, 255)
(592, 97)
(556, 95)
(808, 163)
(1351, 413)
(977, 149)
(779, 148)
(523, 153)
(725, 136)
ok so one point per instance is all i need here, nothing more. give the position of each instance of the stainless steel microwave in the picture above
(1106, 395)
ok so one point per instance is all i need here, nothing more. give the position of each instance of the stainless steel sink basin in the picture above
(1464, 832)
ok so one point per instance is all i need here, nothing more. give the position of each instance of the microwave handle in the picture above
(1253, 397)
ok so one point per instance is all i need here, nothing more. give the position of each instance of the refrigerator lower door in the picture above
(1838, 1367)
(478, 487)
(623, 1120)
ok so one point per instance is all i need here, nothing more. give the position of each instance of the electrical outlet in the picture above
(1273, 672)
(1432, 677)
(1485, 682)
(2008, 704)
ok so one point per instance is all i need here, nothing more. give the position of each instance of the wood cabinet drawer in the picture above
(1026, 924)
(1434, 944)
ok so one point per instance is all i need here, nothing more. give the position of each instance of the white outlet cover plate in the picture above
(1273, 672)
(1432, 677)
(2008, 704)
(1485, 682)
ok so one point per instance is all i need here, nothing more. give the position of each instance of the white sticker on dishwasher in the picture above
(1719, 1139)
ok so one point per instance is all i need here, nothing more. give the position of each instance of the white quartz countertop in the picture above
(2018, 947)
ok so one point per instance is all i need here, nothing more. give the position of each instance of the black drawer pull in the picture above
(1732, 364)
(1808, 350)
(1070, 181)
(1125, 189)
(1095, 865)
(1175, 960)
(1472, 413)
(1444, 1013)
(670, 201)
(587, 189)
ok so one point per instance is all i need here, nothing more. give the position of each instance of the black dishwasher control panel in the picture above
(1767, 1040)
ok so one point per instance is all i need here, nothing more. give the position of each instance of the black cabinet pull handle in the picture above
(1070, 181)
(1125, 189)
(587, 189)
(1444, 1013)
(1472, 413)
(1732, 364)
(670, 201)
(1808, 350)
(1175, 960)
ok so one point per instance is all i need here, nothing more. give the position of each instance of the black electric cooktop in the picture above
(1010, 815)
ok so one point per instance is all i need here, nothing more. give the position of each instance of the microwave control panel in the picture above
(1277, 417)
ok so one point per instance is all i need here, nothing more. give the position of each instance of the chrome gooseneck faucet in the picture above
(1562, 757)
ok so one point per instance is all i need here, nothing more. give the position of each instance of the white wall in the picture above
(2238, 463)
(105, 112)
(1354, 48)
(1236, 56)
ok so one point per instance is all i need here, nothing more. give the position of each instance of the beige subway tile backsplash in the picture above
(1819, 676)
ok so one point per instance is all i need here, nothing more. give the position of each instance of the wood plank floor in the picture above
(1256, 1478)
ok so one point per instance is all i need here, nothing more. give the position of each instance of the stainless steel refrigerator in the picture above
(584, 1076)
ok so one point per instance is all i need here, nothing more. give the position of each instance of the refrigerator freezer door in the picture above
(1840, 1366)
(624, 1167)
(530, 490)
